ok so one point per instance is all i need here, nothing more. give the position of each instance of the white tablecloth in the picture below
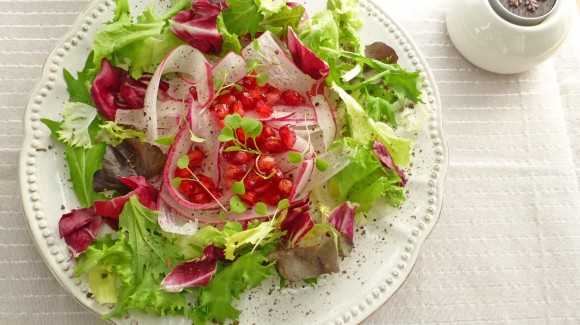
(507, 246)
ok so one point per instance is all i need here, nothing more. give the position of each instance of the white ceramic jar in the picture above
(499, 44)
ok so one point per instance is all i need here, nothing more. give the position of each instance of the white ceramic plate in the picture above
(385, 249)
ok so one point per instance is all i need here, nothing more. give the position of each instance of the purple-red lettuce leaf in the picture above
(305, 59)
(79, 229)
(193, 273)
(198, 26)
(385, 157)
(342, 218)
(297, 222)
(303, 263)
(146, 192)
(130, 158)
(114, 89)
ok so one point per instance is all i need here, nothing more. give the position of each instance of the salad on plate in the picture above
(216, 144)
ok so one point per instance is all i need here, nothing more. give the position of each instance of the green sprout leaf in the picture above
(238, 87)
(251, 127)
(166, 141)
(233, 121)
(226, 135)
(251, 65)
(239, 188)
(294, 157)
(236, 205)
(233, 148)
(195, 138)
(176, 181)
(256, 45)
(283, 204)
(261, 209)
(183, 162)
(262, 78)
(321, 165)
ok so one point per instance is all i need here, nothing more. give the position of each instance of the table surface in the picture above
(507, 246)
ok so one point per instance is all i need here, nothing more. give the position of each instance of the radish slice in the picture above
(174, 223)
(188, 61)
(232, 66)
(283, 73)
(326, 119)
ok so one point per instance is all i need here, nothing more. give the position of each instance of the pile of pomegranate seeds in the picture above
(250, 96)
(261, 176)
(196, 187)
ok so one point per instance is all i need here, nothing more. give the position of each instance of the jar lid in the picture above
(523, 12)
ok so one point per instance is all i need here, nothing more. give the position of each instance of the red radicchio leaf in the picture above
(114, 89)
(197, 272)
(147, 196)
(79, 229)
(297, 222)
(342, 218)
(305, 59)
(381, 151)
(198, 26)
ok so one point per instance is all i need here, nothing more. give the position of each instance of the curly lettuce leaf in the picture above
(364, 180)
(74, 130)
(242, 17)
(214, 301)
(230, 41)
(82, 163)
(113, 134)
(320, 33)
(141, 44)
(365, 130)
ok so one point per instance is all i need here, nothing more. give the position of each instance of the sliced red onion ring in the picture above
(185, 60)
(326, 119)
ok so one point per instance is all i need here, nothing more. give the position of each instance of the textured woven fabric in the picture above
(507, 246)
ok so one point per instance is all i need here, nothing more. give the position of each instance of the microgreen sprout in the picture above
(183, 163)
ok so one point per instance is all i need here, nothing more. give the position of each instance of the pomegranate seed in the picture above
(265, 163)
(235, 171)
(278, 174)
(238, 108)
(288, 136)
(264, 110)
(271, 198)
(226, 99)
(292, 98)
(221, 111)
(285, 187)
(221, 123)
(216, 193)
(247, 101)
(267, 187)
(199, 198)
(249, 83)
(272, 98)
(188, 187)
(250, 198)
(273, 145)
(182, 173)
(256, 95)
(195, 158)
(253, 181)
(229, 183)
(242, 157)
(206, 181)
(265, 134)
(241, 135)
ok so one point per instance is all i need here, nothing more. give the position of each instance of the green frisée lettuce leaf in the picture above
(140, 256)
(320, 33)
(230, 41)
(364, 180)
(82, 162)
(242, 17)
(74, 130)
(141, 44)
(214, 301)
(364, 130)
(113, 134)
